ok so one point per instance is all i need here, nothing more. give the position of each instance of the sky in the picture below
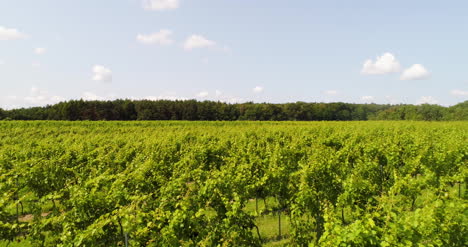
(361, 51)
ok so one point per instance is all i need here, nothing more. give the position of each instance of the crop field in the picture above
(177, 183)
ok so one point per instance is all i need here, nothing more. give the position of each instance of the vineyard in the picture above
(233, 183)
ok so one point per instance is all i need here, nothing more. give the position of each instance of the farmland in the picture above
(177, 183)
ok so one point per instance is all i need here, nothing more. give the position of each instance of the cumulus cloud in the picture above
(41, 97)
(34, 97)
(427, 100)
(222, 97)
(89, 96)
(457, 92)
(203, 94)
(331, 92)
(368, 99)
(40, 51)
(163, 37)
(197, 41)
(258, 89)
(233, 99)
(385, 64)
(11, 34)
(101, 73)
(159, 5)
(415, 72)
(392, 100)
(163, 97)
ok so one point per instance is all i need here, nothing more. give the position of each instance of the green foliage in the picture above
(234, 183)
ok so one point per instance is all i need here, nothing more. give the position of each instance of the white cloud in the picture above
(9, 102)
(2, 62)
(197, 41)
(163, 97)
(392, 100)
(168, 95)
(233, 100)
(386, 64)
(427, 100)
(102, 73)
(159, 5)
(35, 91)
(415, 72)
(11, 34)
(457, 92)
(12, 97)
(163, 37)
(331, 92)
(222, 97)
(41, 97)
(258, 89)
(91, 96)
(40, 51)
(35, 97)
(368, 99)
(203, 94)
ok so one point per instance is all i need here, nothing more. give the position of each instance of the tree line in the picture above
(220, 111)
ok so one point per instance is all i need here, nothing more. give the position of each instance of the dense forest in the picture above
(211, 110)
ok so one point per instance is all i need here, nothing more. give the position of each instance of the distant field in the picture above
(177, 183)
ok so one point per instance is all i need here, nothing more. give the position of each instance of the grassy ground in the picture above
(267, 223)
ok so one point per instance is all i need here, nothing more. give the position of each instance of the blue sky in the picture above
(233, 50)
